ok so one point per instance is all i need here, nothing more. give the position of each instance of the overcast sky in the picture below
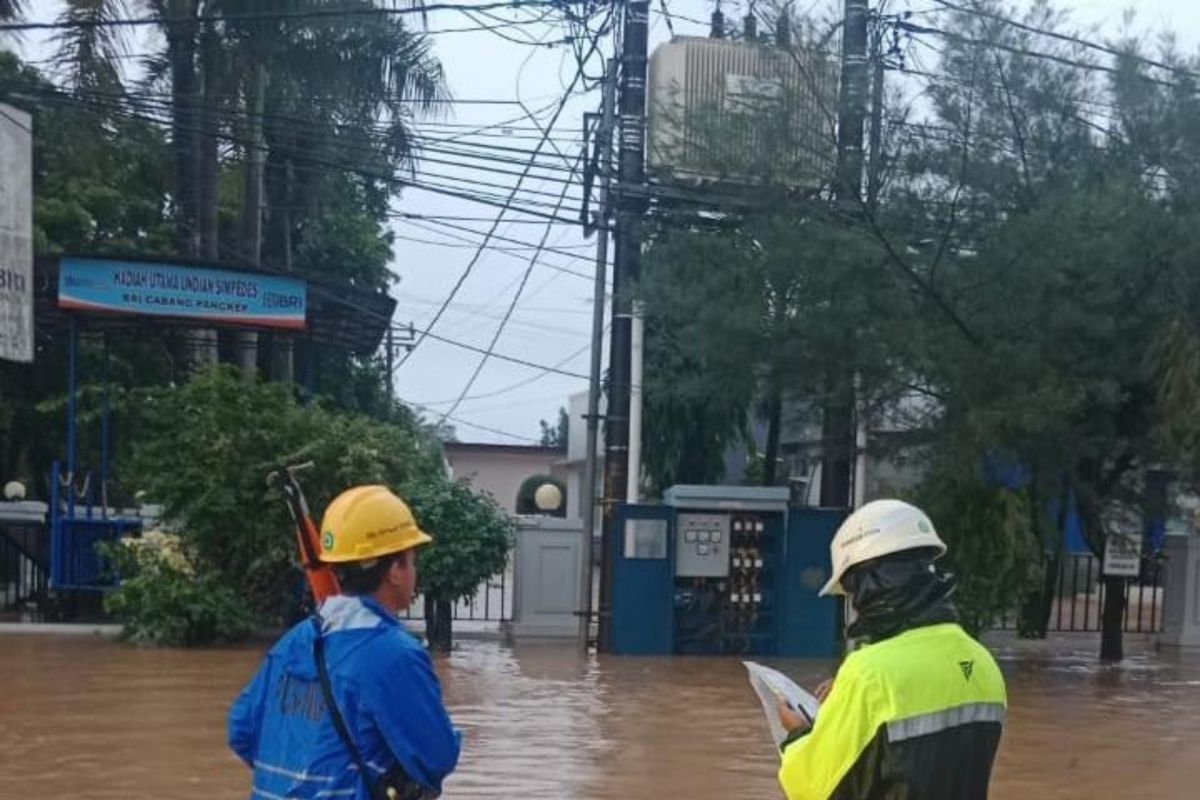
(551, 322)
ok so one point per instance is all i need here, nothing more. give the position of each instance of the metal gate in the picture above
(24, 577)
(492, 602)
(1079, 595)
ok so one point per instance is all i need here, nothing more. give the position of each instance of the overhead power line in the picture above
(512, 305)
(505, 251)
(474, 425)
(500, 356)
(345, 302)
(495, 28)
(163, 108)
(519, 384)
(1067, 38)
(509, 240)
(567, 93)
(278, 16)
(1020, 51)
(472, 313)
(527, 206)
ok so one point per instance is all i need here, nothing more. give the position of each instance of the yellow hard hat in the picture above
(368, 522)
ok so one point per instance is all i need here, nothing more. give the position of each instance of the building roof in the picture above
(512, 449)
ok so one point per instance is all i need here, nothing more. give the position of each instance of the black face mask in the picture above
(897, 593)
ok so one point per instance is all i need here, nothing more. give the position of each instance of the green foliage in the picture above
(1027, 271)
(556, 435)
(358, 82)
(204, 450)
(761, 304)
(756, 469)
(163, 600)
(471, 537)
(100, 186)
(107, 181)
(994, 550)
(526, 501)
(351, 238)
(1176, 359)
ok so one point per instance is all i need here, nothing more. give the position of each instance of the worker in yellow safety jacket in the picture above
(917, 712)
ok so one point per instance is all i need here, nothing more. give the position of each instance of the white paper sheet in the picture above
(771, 686)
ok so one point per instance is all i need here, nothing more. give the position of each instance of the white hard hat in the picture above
(879, 528)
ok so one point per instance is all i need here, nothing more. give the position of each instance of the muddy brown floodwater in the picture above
(89, 718)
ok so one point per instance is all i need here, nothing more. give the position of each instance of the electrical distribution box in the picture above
(702, 546)
(722, 570)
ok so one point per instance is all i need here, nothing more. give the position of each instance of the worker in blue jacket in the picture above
(389, 720)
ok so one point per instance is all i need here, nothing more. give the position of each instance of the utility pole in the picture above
(603, 218)
(390, 362)
(875, 139)
(874, 185)
(838, 423)
(631, 205)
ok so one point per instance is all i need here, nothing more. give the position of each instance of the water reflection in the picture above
(85, 717)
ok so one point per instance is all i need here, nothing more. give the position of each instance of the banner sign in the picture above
(16, 235)
(166, 290)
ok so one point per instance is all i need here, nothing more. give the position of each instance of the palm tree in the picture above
(344, 78)
(92, 51)
(181, 27)
(357, 81)
(89, 50)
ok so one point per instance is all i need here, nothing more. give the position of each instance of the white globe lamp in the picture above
(548, 498)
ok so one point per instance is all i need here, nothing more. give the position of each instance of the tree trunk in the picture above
(283, 368)
(1112, 613)
(210, 44)
(252, 206)
(1112, 645)
(181, 46)
(1035, 612)
(182, 33)
(1039, 605)
(837, 435)
(278, 187)
(438, 617)
(206, 347)
(774, 423)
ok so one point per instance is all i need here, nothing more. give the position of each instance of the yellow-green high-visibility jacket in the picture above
(914, 717)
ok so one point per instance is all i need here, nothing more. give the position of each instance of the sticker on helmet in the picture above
(327, 540)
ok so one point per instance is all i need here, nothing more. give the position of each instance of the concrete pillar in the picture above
(1181, 592)
(547, 578)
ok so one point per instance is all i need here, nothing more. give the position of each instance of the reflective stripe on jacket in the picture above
(385, 688)
(914, 717)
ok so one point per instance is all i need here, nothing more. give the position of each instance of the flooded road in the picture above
(85, 717)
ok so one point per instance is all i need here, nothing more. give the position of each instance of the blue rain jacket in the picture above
(385, 688)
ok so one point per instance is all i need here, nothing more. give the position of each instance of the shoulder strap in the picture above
(335, 715)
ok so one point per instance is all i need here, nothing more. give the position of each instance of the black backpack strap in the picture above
(335, 715)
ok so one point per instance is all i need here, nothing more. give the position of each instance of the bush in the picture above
(994, 550)
(471, 539)
(204, 450)
(162, 599)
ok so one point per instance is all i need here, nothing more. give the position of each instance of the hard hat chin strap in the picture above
(897, 593)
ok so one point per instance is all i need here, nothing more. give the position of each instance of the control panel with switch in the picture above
(702, 546)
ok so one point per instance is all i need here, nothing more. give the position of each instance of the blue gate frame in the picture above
(74, 563)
